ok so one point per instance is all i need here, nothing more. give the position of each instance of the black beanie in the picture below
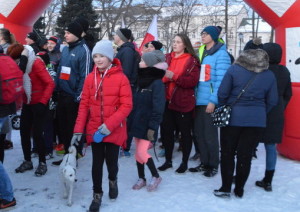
(124, 34)
(157, 45)
(254, 44)
(45, 57)
(75, 28)
(32, 36)
(83, 23)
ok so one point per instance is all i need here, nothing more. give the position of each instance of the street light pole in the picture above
(241, 37)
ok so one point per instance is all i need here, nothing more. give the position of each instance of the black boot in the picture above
(165, 166)
(113, 189)
(96, 203)
(266, 183)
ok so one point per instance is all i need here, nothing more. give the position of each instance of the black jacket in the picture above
(275, 118)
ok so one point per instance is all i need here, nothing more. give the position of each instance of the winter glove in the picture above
(103, 129)
(76, 139)
(150, 135)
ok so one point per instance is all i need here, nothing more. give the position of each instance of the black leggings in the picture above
(183, 121)
(110, 153)
(32, 118)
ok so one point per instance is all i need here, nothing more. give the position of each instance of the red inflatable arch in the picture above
(284, 16)
(19, 15)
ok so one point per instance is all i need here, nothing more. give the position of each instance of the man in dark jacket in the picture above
(129, 60)
(74, 66)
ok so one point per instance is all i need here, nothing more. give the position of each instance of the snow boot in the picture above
(221, 193)
(266, 183)
(113, 189)
(96, 203)
(182, 168)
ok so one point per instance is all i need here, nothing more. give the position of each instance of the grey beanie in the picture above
(154, 57)
(105, 48)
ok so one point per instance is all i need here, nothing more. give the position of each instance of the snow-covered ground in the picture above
(189, 192)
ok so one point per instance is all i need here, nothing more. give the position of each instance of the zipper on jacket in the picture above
(190, 70)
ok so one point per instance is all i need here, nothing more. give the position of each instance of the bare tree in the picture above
(50, 15)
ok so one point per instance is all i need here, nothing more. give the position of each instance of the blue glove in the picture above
(103, 129)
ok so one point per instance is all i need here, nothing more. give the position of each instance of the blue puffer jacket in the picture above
(251, 108)
(76, 61)
(219, 61)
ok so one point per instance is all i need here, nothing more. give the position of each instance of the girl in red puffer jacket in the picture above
(106, 101)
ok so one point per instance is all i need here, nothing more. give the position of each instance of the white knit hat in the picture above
(105, 48)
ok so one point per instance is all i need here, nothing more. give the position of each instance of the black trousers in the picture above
(183, 121)
(32, 120)
(239, 141)
(66, 113)
(110, 153)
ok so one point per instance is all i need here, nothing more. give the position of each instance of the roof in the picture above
(246, 25)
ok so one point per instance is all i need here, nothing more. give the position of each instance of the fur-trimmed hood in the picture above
(255, 60)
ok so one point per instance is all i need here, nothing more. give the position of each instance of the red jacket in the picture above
(110, 105)
(183, 96)
(42, 85)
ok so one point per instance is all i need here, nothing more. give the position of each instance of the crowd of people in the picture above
(128, 95)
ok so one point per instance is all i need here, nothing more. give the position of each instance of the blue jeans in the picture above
(271, 156)
(6, 189)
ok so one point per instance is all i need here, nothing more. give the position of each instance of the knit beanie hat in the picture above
(157, 45)
(154, 57)
(124, 34)
(15, 50)
(83, 23)
(53, 39)
(105, 48)
(75, 28)
(32, 36)
(213, 31)
(254, 44)
(45, 57)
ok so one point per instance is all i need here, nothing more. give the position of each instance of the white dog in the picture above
(67, 170)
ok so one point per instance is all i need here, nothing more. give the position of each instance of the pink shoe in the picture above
(139, 184)
(155, 181)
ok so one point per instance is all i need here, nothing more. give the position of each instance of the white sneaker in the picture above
(155, 181)
(139, 184)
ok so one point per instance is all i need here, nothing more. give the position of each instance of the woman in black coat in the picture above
(275, 119)
(148, 109)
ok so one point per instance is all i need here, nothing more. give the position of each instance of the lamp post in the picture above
(241, 37)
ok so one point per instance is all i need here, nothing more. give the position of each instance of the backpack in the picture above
(11, 80)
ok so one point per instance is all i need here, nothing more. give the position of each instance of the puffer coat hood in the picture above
(255, 60)
(274, 51)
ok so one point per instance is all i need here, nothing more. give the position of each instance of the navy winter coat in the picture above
(149, 103)
(251, 109)
(128, 57)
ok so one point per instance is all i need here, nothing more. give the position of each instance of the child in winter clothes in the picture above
(106, 101)
(147, 114)
(38, 86)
